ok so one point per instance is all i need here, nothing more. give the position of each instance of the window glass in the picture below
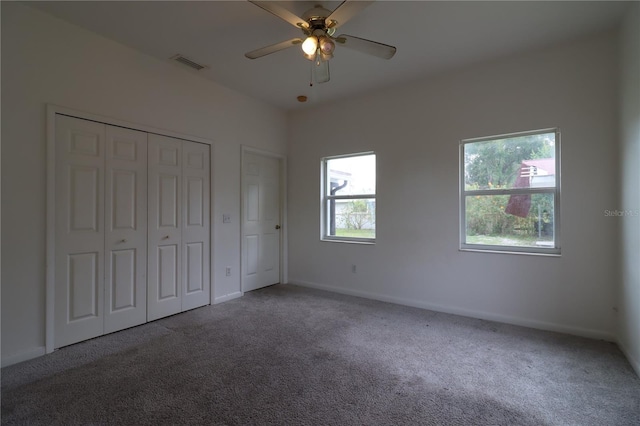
(352, 175)
(513, 162)
(524, 220)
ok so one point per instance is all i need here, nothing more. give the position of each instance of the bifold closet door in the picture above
(164, 285)
(196, 223)
(179, 226)
(126, 229)
(79, 229)
(132, 228)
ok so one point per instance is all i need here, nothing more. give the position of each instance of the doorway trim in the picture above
(284, 275)
(51, 111)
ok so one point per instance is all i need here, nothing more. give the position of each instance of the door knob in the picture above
(123, 240)
(277, 226)
(166, 237)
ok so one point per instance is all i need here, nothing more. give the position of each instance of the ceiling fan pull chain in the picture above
(311, 74)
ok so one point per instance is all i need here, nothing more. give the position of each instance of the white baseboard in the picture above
(23, 356)
(524, 322)
(634, 362)
(227, 297)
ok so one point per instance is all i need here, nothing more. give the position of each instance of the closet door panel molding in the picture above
(164, 285)
(126, 229)
(79, 227)
(196, 225)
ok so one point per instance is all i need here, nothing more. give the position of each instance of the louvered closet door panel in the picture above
(79, 230)
(164, 268)
(196, 226)
(126, 228)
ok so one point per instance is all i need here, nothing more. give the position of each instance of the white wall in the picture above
(415, 130)
(629, 334)
(45, 60)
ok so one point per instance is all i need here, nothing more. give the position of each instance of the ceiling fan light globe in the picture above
(310, 45)
(327, 46)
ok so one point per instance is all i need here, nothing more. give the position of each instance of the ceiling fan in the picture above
(318, 26)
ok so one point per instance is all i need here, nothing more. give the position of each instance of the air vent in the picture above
(188, 62)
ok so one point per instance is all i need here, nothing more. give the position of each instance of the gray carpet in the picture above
(286, 355)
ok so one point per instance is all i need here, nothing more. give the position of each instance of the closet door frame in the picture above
(51, 111)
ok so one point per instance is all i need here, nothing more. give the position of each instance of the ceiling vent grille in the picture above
(188, 62)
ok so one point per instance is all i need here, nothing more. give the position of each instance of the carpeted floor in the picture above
(287, 355)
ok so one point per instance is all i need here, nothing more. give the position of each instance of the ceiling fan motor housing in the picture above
(316, 18)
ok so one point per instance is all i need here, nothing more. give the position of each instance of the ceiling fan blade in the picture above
(344, 12)
(281, 13)
(322, 71)
(374, 48)
(267, 50)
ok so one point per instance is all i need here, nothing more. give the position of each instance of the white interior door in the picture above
(195, 225)
(261, 221)
(126, 229)
(79, 230)
(164, 285)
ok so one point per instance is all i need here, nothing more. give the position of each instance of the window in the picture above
(510, 193)
(349, 198)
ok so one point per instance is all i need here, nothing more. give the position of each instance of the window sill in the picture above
(349, 241)
(507, 251)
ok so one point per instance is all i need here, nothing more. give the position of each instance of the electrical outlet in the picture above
(228, 271)
(226, 218)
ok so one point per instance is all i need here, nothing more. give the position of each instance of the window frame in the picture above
(325, 198)
(463, 193)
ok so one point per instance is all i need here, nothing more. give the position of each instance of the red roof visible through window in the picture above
(546, 164)
(520, 204)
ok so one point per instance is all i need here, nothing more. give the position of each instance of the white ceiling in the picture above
(430, 37)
